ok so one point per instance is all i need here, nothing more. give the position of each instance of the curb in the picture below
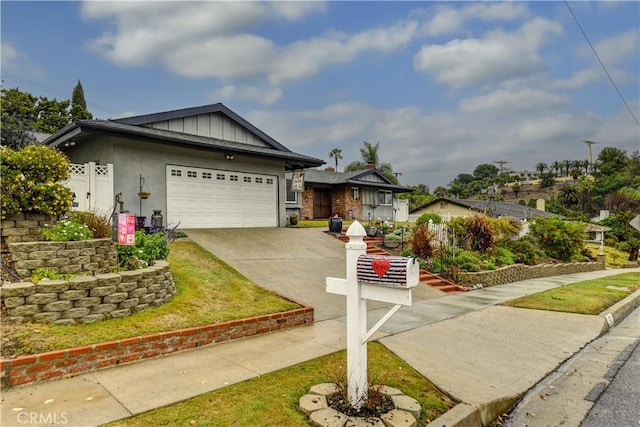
(467, 415)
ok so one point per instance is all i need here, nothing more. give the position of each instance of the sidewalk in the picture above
(484, 355)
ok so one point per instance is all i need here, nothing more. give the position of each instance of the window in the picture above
(220, 176)
(192, 174)
(355, 193)
(246, 179)
(292, 196)
(176, 172)
(206, 175)
(258, 180)
(385, 197)
(233, 177)
(443, 205)
(269, 181)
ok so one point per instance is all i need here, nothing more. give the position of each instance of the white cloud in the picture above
(449, 20)
(264, 96)
(17, 62)
(497, 56)
(509, 101)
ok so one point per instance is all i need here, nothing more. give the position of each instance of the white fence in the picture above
(92, 186)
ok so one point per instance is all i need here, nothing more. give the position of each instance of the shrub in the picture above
(42, 273)
(98, 223)
(424, 218)
(148, 248)
(66, 230)
(33, 181)
(558, 238)
(524, 251)
(504, 256)
(468, 261)
(420, 242)
(479, 235)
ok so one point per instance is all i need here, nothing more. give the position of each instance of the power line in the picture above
(601, 64)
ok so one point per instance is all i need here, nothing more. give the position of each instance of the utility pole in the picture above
(501, 163)
(589, 144)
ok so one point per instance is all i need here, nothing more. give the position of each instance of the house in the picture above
(451, 208)
(204, 167)
(363, 195)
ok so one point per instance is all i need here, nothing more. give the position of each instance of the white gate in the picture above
(92, 186)
(401, 210)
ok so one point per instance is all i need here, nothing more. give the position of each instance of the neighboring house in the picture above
(205, 167)
(451, 208)
(363, 195)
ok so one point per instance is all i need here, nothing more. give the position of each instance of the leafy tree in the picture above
(78, 105)
(557, 167)
(464, 178)
(51, 115)
(569, 196)
(516, 189)
(611, 160)
(541, 167)
(547, 180)
(369, 154)
(485, 171)
(441, 191)
(336, 154)
(17, 118)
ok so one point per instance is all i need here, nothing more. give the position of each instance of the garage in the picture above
(212, 198)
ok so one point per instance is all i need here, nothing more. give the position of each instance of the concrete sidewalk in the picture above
(484, 355)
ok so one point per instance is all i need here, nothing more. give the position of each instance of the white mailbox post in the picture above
(380, 278)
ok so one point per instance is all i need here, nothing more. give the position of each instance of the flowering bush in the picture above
(33, 181)
(67, 230)
(149, 247)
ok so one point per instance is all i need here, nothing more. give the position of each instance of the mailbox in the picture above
(394, 271)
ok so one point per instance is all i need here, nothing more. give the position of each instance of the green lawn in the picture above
(588, 297)
(272, 399)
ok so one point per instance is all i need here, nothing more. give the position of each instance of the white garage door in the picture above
(210, 198)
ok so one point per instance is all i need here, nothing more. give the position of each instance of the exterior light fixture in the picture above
(228, 156)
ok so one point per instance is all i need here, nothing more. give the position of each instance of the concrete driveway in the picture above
(293, 262)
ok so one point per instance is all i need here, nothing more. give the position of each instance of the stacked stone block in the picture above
(95, 256)
(24, 227)
(518, 272)
(86, 299)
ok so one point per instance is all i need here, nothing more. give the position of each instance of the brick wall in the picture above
(74, 361)
(518, 272)
(344, 205)
(94, 256)
(87, 299)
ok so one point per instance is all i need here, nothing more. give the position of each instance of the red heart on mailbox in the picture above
(380, 266)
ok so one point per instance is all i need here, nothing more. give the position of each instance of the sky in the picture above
(443, 86)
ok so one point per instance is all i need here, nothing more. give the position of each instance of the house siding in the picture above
(448, 210)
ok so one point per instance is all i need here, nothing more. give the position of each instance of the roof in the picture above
(133, 127)
(502, 209)
(317, 176)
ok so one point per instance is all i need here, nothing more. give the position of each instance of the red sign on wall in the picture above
(126, 230)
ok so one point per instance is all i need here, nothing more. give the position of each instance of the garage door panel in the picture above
(209, 198)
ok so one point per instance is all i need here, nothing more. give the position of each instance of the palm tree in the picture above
(369, 153)
(541, 167)
(567, 166)
(557, 167)
(336, 154)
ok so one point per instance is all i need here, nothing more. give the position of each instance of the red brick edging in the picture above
(73, 361)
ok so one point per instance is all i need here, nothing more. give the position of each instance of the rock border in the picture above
(314, 405)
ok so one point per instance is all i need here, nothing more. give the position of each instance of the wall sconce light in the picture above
(228, 156)
(69, 144)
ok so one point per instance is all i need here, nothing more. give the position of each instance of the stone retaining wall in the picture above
(96, 256)
(87, 299)
(24, 227)
(518, 272)
(69, 362)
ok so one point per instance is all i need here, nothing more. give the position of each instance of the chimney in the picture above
(330, 169)
(540, 205)
(369, 166)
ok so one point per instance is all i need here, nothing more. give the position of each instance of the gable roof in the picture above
(502, 209)
(317, 176)
(133, 128)
(146, 119)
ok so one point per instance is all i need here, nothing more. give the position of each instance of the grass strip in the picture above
(587, 297)
(272, 399)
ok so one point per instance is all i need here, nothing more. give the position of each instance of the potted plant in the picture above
(293, 219)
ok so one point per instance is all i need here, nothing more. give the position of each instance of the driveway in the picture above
(293, 262)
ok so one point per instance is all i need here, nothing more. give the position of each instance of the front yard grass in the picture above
(613, 257)
(272, 399)
(588, 297)
(209, 291)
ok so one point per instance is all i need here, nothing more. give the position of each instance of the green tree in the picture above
(369, 154)
(336, 154)
(516, 189)
(18, 118)
(51, 115)
(547, 180)
(541, 167)
(560, 239)
(569, 196)
(611, 160)
(485, 171)
(557, 167)
(78, 104)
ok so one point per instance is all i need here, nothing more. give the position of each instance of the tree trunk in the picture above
(633, 254)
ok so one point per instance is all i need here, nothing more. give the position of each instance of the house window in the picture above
(292, 196)
(258, 180)
(233, 177)
(269, 181)
(385, 197)
(246, 179)
(355, 193)
(192, 174)
(220, 176)
(206, 175)
(443, 205)
(176, 172)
